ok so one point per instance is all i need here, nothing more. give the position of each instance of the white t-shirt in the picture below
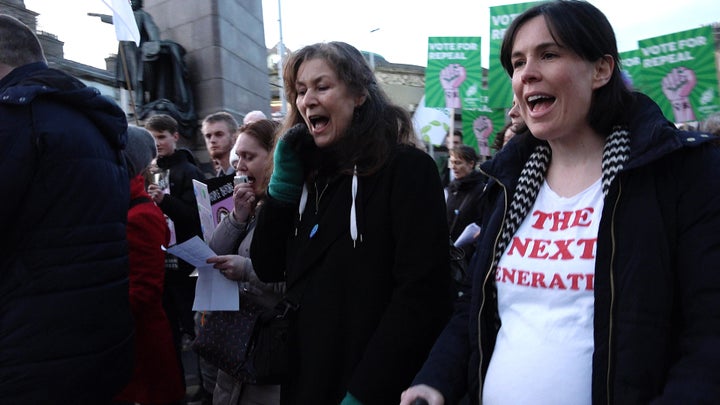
(543, 353)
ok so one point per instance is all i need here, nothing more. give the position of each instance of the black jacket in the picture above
(66, 329)
(180, 205)
(463, 202)
(657, 274)
(371, 309)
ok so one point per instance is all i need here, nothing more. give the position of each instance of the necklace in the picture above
(319, 196)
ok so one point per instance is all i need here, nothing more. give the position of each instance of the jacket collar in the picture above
(180, 155)
(470, 181)
(19, 73)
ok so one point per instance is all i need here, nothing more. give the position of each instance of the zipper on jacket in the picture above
(612, 295)
(484, 284)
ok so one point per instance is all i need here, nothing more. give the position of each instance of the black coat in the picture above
(66, 330)
(180, 205)
(463, 202)
(370, 310)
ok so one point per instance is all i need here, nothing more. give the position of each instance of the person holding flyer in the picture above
(176, 199)
(231, 241)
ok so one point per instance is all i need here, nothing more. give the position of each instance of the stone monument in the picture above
(226, 53)
(155, 73)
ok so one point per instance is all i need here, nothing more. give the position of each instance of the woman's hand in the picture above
(286, 181)
(244, 202)
(230, 266)
(422, 391)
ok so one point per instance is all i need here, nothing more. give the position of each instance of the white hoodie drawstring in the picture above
(303, 203)
(353, 213)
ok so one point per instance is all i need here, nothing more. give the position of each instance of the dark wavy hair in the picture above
(377, 126)
(500, 137)
(582, 28)
(466, 153)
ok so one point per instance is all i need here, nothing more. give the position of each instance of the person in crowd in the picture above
(596, 277)
(509, 130)
(355, 214)
(252, 116)
(231, 241)
(515, 119)
(180, 206)
(219, 130)
(249, 118)
(454, 140)
(463, 200)
(503, 136)
(67, 328)
(157, 378)
(711, 124)
(443, 161)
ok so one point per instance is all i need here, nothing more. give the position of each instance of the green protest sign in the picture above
(499, 89)
(631, 69)
(453, 77)
(679, 73)
(479, 126)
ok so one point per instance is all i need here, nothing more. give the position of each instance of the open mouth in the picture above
(539, 101)
(318, 122)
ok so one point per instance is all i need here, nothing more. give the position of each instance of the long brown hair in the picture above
(377, 126)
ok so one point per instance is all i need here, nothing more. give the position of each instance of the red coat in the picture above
(156, 375)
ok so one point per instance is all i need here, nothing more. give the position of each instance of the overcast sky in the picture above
(404, 25)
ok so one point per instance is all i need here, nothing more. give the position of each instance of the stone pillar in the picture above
(16, 8)
(226, 54)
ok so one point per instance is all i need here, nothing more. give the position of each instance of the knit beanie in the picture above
(140, 150)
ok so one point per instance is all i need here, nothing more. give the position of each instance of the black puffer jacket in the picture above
(66, 330)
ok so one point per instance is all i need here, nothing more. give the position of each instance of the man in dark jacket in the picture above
(180, 206)
(66, 330)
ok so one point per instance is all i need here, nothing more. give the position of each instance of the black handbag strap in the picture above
(291, 299)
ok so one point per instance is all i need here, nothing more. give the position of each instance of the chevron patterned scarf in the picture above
(615, 154)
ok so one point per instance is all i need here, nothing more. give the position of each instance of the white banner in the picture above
(124, 20)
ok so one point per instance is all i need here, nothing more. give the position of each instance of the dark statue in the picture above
(156, 71)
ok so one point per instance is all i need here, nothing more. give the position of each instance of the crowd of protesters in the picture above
(594, 276)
